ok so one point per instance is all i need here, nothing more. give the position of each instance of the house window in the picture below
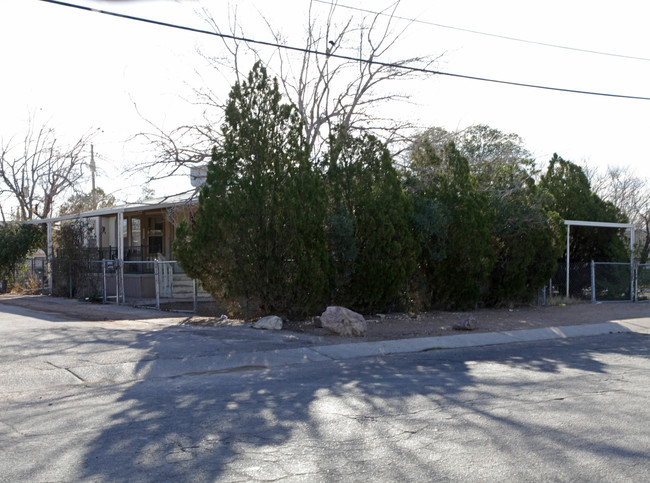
(136, 232)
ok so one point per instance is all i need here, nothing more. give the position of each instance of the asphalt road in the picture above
(563, 410)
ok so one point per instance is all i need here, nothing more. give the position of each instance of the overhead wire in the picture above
(487, 34)
(342, 57)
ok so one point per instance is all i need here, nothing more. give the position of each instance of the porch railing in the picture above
(133, 253)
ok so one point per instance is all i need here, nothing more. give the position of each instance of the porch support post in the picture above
(98, 232)
(120, 236)
(119, 272)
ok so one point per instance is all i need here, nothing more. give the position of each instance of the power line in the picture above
(344, 57)
(488, 34)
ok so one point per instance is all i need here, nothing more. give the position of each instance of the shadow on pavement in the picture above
(394, 416)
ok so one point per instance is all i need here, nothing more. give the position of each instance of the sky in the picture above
(81, 72)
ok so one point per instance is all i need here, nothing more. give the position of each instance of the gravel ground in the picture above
(380, 326)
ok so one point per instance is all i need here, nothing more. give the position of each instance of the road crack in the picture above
(77, 376)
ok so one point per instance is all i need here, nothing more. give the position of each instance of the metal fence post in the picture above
(170, 274)
(632, 282)
(104, 281)
(593, 282)
(156, 271)
(43, 263)
(122, 291)
(195, 295)
(117, 282)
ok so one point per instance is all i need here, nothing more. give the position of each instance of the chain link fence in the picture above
(642, 283)
(611, 282)
(30, 277)
(579, 281)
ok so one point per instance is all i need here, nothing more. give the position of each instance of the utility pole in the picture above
(93, 168)
(94, 241)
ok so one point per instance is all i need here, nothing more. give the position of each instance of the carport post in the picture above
(568, 254)
(632, 277)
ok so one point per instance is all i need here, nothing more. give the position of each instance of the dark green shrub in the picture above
(372, 248)
(457, 257)
(259, 233)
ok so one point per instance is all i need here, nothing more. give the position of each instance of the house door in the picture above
(156, 236)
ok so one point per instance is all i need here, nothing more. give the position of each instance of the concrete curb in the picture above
(242, 361)
(240, 358)
(368, 349)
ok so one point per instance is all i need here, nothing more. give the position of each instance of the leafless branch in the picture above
(332, 95)
(38, 171)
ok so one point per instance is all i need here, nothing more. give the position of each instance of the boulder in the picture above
(470, 323)
(270, 322)
(343, 322)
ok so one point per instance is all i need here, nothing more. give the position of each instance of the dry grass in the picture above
(561, 301)
(27, 284)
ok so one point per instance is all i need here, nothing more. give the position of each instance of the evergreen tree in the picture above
(573, 199)
(456, 274)
(16, 241)
(525, 234)
(258, 233)
(372, 248)
(527, 241)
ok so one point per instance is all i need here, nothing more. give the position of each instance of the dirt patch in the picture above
(75, 310)
(437, 323)
(431, 324)
(380, 326)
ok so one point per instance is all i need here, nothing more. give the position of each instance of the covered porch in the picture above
(128, 251)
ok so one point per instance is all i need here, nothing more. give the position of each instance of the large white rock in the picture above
(270, 322)
(344, 322)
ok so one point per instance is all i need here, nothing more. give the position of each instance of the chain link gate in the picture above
(618, 282)
(642, 282)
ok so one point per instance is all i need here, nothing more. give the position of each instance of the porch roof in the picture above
(152, 204)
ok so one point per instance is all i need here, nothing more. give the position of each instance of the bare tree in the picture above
(187, 146)
(337, 80)
(182, 147)
(630, 194)
(337, 92)
(37, 171)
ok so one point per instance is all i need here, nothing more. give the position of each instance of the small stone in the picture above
(270, 322)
